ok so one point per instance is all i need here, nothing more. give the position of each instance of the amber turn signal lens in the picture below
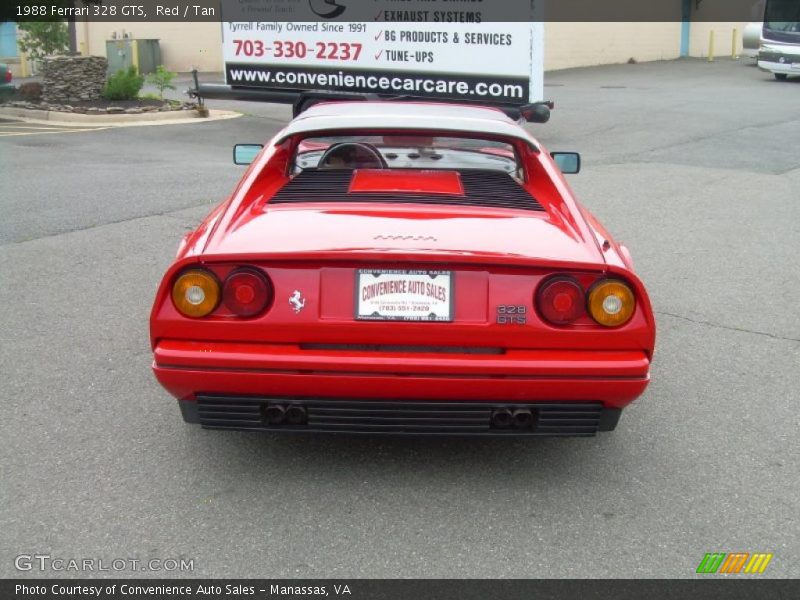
(196, 293)
(611, 303)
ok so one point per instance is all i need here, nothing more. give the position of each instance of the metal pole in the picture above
(73, 36)
(197, 87)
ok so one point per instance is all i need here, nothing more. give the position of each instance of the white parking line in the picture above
(56, 131)
(18, 128)
(22, 128)
(22, 125)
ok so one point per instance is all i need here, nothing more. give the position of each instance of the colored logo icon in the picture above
(734, 562)
(327, 9)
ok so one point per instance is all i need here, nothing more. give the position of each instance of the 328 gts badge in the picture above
(509, 314)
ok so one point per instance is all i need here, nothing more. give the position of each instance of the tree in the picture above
(162, 79)
(43, 38)
(36, 10)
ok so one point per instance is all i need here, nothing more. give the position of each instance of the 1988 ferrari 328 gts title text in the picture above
(403, 267)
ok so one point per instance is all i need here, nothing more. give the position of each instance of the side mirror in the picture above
(568, 162)
(245, 154)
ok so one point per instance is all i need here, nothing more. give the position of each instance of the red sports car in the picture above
(407, 268)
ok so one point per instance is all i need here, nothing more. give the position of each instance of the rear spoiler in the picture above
(536, 112)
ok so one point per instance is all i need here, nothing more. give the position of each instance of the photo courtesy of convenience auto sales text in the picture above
(185, 590)
(404, 257)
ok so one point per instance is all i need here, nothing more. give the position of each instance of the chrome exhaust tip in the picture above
(502, 418)
(296, 414)
(522, 418)
(274, 414)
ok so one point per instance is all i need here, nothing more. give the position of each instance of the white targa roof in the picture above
(333, 116)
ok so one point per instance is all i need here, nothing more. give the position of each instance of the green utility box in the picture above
(145, 55)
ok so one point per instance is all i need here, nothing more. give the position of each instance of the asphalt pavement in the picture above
(695, 166)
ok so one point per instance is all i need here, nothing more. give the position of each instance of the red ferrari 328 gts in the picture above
(406, 268)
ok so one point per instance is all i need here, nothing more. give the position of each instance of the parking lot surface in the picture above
(693, 165)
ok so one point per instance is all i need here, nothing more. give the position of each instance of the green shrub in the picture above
(124, 85)
(162, 80)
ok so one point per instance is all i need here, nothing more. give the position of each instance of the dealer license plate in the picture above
(404, 295)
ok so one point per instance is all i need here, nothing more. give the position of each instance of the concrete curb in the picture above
(114, 120)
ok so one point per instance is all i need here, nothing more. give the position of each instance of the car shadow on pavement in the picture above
(293, 458)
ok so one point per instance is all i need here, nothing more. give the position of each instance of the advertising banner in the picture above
(478, 60)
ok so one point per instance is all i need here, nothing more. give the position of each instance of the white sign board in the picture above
(404, 296)
(490, 62)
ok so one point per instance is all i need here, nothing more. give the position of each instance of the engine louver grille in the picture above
(345, 416)
(481, 188)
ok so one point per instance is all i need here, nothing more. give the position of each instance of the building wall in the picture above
(724, 42)
(8, 40)
(9, 50)
(587, 44)
(185, 46)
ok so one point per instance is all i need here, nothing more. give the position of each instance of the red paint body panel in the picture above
(363, 232)
(185, 383)
(406, 181)
(498, 256)
(619, 364)
(328, 314)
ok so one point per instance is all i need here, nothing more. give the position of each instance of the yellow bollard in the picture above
(734, 56)
(711, 46)
(135, 54)
(23, 65)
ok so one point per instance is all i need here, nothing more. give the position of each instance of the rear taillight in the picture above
(561, 301)
(611, 302)
(196, 293)
(8, 76)
(247, 292)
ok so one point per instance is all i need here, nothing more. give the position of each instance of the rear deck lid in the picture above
(407, 232)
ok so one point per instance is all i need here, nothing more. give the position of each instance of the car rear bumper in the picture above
(544, 419)
(247, 377)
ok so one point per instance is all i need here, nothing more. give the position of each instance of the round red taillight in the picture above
(246, 292)
(8, 76)
(561, 301)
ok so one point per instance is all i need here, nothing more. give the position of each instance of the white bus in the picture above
(779, 52)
